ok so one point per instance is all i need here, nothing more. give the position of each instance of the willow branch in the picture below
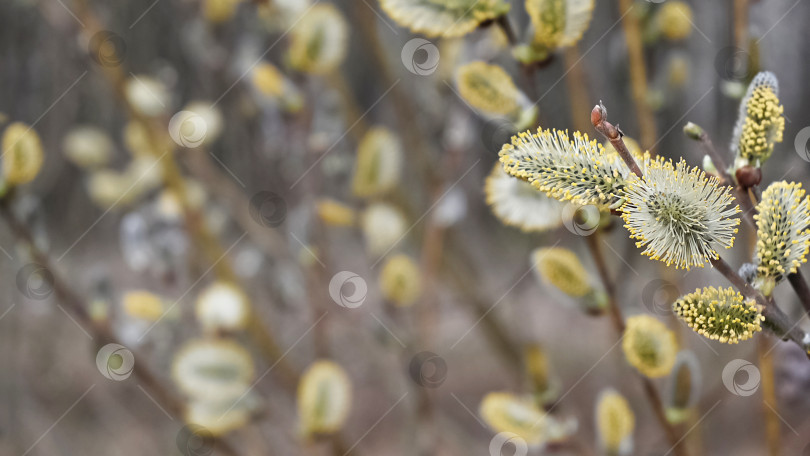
(775, 318)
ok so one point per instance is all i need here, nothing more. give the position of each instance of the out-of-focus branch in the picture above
(102, 333)
(638, 73)
(617, 319)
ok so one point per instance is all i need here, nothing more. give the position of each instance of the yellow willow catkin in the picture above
(22, 154)
(720, 314)
(649, 346)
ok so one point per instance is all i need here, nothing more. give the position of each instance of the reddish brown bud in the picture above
(596, 115)
(748, 176)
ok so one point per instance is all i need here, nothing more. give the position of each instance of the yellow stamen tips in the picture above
(674, 20)
(615, 422)
(720, 314)
(649, 346)
(561, 268)
(401, 280)
(319, 40)
(446, 18)
(516, 203)
(22, 154)
(488, 88)
(379, 163)
(783, 231)
(566, 169)
(324, 398)
(760, 122)
(679, 214)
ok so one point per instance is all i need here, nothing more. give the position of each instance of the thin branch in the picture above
(618, 323)
(102, 333)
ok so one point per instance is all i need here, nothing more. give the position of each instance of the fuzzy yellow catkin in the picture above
(379, 163)
(558, 23)
(324, 398)
(268, 79)
(212, 369)
(143, 304)
(488, 88)
(88, 147)
(443, 18)
(506, 412)
(222, 306)
(401, 280)
(561, 268)
(763, 125)
(22, 154)
(783, 233)
(678, 214)
(575, 169)
(674, 20)
(649, 346)
(615, 423)
(720, 314)
(335, 213)
(516, 203)
(319, 40)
